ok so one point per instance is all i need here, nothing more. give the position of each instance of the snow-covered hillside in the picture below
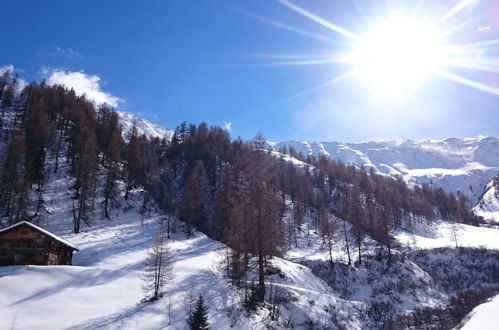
(103, 288)
(488, 207)
(483, 316)
(454, 164)
(143, 126)
(431, 235)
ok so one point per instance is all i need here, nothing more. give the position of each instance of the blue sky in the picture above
(216, 61)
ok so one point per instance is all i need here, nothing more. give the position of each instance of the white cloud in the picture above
(228, 125)
(63, 52)
(6, 68)
(83, 84)
(484, 29)
(67, 52)
(21, 83)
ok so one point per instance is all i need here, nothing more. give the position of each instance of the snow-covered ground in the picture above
(287, 158)
(413, 280)
(484, 316)
(103, 288)
(430, 235)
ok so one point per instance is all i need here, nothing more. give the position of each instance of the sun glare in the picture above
(402, 53)
(397, 55)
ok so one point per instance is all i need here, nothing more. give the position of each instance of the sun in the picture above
(397, 55)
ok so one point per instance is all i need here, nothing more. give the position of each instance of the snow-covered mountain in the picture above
(455, 164)
(143, 126)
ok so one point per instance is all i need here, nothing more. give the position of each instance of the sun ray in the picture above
(300, 59)
(456, 9)
(293, 56)
(341, 30)
(305, 62)
(477, 45)
(287, 27)
(324, 84)
(276, 62)
(468, 82)
(478, 64)
(453, 29)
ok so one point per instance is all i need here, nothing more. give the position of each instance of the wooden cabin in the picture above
(27, 244)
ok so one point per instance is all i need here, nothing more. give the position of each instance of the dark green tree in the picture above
(198, 320)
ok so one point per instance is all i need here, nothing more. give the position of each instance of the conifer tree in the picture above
(198, 320)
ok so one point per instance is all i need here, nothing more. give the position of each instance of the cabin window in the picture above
(24, 232)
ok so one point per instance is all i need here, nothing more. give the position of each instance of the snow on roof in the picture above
(57, 238)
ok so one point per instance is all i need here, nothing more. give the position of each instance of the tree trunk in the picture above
(261, 277)
(106, 202)
(261, 266)
(359, 246)
(21, 203)
(330, 246)
(56, 167)
(346, 241)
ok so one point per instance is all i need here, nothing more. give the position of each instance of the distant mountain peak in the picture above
(143, 125)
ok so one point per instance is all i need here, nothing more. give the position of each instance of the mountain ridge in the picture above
(454, 164)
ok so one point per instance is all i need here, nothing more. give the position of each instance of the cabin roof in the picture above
(57, 238)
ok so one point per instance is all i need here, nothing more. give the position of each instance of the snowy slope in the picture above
(454, 164)
(143, 126)
(488, 207)
(408, 284)
(103, 288)
(431, 235)
(483, 316)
